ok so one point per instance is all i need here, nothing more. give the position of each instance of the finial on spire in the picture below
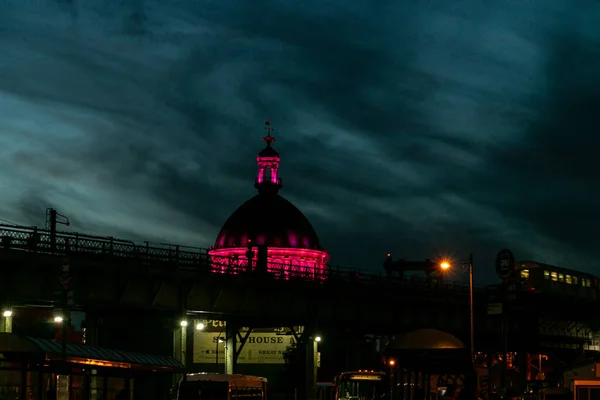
(269, 128)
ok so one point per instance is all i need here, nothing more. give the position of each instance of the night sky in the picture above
(416, 127)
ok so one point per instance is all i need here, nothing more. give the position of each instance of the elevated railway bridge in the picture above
(147, 290)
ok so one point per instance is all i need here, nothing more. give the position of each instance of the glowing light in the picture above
(199, 326)
(392, 362)
(282, 262)
(183, 323)
(268, 166)
(220, 340)
(376, 377)
(58, 319)
(317, 339)
(445, 265)
(99, 363)
(7, 313)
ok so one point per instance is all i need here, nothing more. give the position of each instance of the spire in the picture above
(267, 180)
(269, 128)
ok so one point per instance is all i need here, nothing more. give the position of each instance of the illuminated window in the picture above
(561, 278)
(554, 276)
(524, 273)
(575, 279)
(546, 274)
(585, 282)
(568, 279)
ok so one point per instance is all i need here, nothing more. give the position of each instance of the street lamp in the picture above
(444, 265)
(317, 339)
(392, 364)
(7, 313)
(199, 326)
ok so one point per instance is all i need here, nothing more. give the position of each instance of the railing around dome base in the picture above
(40, 241)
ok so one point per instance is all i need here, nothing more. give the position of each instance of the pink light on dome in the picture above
(231, 257)
(283, 263)
(268, 166)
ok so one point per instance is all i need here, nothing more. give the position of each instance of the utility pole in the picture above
(52, 218)
(471, 312)
(65, 279)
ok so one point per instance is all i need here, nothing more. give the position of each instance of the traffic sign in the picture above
(505, 264)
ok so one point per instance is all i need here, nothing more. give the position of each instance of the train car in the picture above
(544, 278)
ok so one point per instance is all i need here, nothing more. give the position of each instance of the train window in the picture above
(584, 282)
(575, 280)
(561, 278)
(546, 274)
(568, 279)
(524, 273)
(554, 276)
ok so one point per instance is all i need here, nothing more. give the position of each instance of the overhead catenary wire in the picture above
(8, 222)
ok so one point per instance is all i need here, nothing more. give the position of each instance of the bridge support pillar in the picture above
(91, 329)
(180, 344)
(231, 332)
(310, 349)
(353, 351)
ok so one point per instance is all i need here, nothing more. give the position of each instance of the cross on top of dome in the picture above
(269, 128)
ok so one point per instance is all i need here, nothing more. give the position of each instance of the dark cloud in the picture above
(418, 128)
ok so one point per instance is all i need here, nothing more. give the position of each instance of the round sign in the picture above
(505, 264)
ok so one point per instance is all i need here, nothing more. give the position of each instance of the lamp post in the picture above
(392, 364)
(444, 265)
(219, 340)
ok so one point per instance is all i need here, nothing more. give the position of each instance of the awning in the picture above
(84, 354)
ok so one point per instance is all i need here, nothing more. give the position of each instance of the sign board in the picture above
(505, 264)
(264, 346)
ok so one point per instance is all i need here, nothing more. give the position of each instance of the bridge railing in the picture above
(33, 239)
(41, 241)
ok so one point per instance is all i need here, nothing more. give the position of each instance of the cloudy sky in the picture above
(416, 127)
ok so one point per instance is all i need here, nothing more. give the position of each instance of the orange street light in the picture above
(444, 265)
(392, 363)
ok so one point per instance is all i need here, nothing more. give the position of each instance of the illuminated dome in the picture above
(269, 222)
(268, 219)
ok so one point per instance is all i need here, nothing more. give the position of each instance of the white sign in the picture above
(260, 348)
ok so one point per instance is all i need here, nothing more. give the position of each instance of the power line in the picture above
(7, 221)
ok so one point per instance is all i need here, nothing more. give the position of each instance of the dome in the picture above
(422, 339)
(268, 152)
(268, 219)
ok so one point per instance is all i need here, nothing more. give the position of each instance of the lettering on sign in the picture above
(264, 346)
(365, 377)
